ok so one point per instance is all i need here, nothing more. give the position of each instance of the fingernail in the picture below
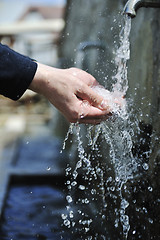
(104, 105)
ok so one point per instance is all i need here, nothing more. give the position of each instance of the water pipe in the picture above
(132, 6)
(83, 47)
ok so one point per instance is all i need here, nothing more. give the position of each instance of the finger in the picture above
(84, 77)
(86, 93)
(93, 122)
(88, 112)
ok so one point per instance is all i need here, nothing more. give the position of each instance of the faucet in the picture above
(133, 5)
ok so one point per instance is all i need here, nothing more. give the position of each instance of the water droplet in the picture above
(98, 170)
(74, 183)
(73, 224)
(125, 219)
(112, 189)
(110, 179)
(150, 189)
(69, 199)
(86, 201)
(79, 164)
(86, 229)
(75, 174)
(116, 223)
(145, 210)
(67, 223)
(93, 191)
(134, 232)
(117, 179)
(81, 187)
(150, 220)
(63, 216)
(71, 214)
(145, 166)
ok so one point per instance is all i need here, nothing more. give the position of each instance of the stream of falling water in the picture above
(103, 179)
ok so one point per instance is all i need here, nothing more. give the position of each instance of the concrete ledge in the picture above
(30, 158)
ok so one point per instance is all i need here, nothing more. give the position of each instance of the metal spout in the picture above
(132, 6)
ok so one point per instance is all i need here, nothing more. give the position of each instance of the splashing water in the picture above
(116, 133)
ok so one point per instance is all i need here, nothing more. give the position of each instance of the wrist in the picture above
(39, 82)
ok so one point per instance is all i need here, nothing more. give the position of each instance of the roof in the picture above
(45, 11)
(51, 20)
(11, 11)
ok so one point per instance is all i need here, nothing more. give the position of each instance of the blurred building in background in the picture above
(32, 28)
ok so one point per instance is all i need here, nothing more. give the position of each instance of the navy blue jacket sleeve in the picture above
(16, 73)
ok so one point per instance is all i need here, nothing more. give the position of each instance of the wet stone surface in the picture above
(33, 212)
(35, 198)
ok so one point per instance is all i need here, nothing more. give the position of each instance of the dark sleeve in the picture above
(16, 73)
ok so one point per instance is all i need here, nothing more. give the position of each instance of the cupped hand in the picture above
(70, 91)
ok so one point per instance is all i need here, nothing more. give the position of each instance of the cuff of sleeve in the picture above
(25, 80)
(16, 72)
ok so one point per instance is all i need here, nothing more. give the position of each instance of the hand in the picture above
(70, 91)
